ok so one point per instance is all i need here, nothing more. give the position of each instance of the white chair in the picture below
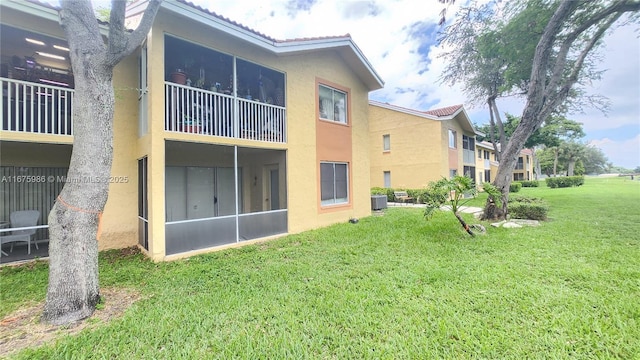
(24, 218)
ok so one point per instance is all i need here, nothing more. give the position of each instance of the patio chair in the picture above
(24, 218)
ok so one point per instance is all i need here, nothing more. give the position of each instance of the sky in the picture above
(398, 37)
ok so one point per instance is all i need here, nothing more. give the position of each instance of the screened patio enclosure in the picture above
(212, 93)
(31, 180)
(218, 195)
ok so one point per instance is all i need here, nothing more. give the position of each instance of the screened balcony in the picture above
(216, 94)
(36, 83)
(219, 195)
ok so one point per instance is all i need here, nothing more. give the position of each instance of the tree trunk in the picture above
(74, 220)
(509, 160)
(536, 165)
(464, 224)
(555, 161)
(571, 166)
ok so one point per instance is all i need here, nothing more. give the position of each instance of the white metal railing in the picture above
(197, 111)
(3, 231)
(36, 108)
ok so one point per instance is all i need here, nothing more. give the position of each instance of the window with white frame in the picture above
(334, 183)
(386, 142)
(332, 104)
(452, 139)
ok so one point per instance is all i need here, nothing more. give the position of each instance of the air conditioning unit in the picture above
(378, 202)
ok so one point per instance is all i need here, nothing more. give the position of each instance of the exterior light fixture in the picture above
(52, 56)
(37, 42)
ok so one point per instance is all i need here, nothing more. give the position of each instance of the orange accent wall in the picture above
(453, 158)
(333, 144)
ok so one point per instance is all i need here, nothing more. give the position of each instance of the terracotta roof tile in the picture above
(445, 111)
(347, 36)
(200, 8)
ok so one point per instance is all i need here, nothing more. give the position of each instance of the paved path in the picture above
(463, 209)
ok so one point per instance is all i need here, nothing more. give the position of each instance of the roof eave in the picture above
(282, 48)
(371, 78)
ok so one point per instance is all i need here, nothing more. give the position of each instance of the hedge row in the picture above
(523, 207)
(564, 181)
(418, 195)
(515, 187)
(530, 183)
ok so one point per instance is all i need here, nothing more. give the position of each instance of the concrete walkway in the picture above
(463, 209)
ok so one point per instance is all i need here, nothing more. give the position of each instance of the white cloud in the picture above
(622, 153)
(382, 30)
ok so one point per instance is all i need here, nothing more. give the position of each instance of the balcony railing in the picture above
(468, 156)
(195, 111)
(36, 108)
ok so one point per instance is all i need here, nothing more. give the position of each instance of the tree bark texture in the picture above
(73, 222)
(74, 290)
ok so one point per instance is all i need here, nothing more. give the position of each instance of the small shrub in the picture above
(523, 207)
(383, 191)
(414, 193)
(515, 187)
(564, 181)
(530, 183)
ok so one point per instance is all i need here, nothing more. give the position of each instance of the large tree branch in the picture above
(74, 15)
(559, 96)
(617, 8)
(537, 82)
(121, 42)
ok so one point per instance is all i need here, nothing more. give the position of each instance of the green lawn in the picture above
(390, 287)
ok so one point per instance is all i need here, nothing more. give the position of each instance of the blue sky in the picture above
(398, 38)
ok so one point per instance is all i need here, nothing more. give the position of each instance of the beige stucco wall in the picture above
(120, 219)
(302, 165)
(419, 151)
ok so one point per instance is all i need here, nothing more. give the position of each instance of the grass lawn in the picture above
(391, 287)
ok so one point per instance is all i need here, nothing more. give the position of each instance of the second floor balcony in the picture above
(216, 93)
(209, 112)
(35, 107)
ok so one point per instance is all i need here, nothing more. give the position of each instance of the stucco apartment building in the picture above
(487, 163)
(222, 135)
(411, 148)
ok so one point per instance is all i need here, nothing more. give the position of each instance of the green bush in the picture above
(564, 181)
(383, 191)
(515, 187)
(420, 196)
(530, 183)
(523, 207)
